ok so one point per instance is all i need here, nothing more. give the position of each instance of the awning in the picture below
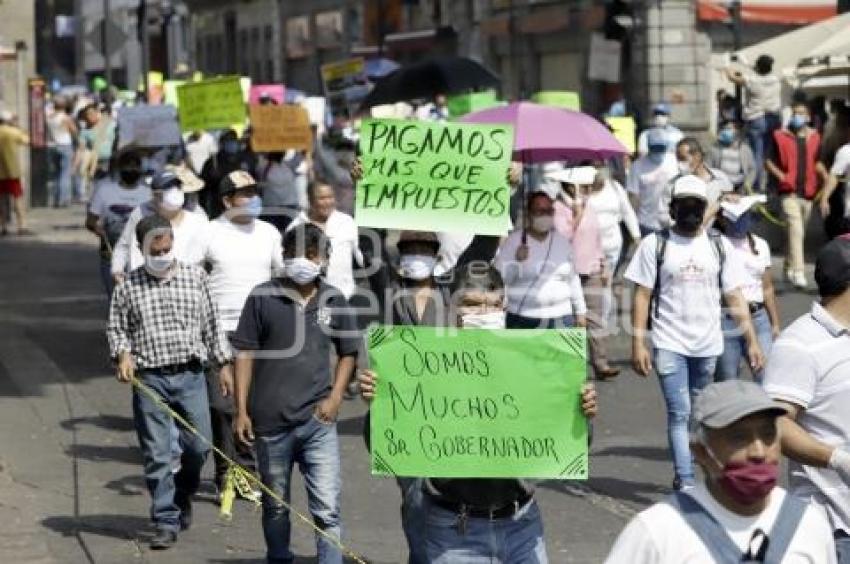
(788, 12)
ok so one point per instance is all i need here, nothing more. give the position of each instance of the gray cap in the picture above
(721, 404)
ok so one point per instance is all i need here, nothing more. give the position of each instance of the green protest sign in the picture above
(559, 99)
(435, 176)
(478, 403)
(462, 104)
(211, 104)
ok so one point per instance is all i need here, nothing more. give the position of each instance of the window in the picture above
(297, 36)
(329, 29)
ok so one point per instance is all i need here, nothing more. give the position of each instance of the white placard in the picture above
(604, 61)
(148, 126)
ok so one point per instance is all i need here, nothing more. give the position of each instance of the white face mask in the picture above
(685, 167)
(661, 120)
(301, 270)
(542, 223)
(417, 267)
(159, 265)
(490, 320)
(173, 199)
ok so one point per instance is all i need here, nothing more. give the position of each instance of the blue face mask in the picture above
(740, 228)
(798, 121)
(726, 137)
(254, 207)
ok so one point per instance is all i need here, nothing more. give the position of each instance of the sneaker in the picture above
(681, 485)
(245, 490)
(798, 279)
(163, 539)
(184, 502)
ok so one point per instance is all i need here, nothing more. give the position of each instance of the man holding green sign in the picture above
(435, 176)
(466, 410)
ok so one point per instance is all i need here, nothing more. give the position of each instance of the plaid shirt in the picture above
(164, 321)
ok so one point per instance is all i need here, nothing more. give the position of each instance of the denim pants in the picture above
(314, 446)
(512, 540)
(185, 393)
(735, 346)
(842, 547)
(64, 175)
(106, 277)
(681, 378)
(413, 521)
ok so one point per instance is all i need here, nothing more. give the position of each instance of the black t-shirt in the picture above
(801, 166)
(292, 370)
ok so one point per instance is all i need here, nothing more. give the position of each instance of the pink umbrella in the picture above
(545, 133)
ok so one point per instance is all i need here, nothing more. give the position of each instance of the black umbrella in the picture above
(444, 75)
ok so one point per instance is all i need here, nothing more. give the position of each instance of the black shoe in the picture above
(184, 502)
(163, 539)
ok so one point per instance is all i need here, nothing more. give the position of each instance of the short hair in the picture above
(537, 194)
(477, 276)
(150, 224)
(307, 237)
(313, 187)
(693, 146)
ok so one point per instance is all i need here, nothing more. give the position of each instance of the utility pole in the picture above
(735, 16)
(142, 34)
(104, 40)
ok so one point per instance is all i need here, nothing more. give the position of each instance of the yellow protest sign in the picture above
(278, 128)
(624, 130)
(211, 104)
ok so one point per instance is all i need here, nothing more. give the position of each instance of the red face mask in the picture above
(749, 482)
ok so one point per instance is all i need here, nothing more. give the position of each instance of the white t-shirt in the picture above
(659, 535)
(188, 246)
(452, 246)
(688, 321)
(612, 207)
(546, 285)
(241, 257)
(755, 264)
(341, 230)
(200, 151)
(841, 168)
(647, 180)
(809, 366)
(113, 204)
(763, 94)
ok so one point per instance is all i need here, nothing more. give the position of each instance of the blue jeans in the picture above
(314, 446)
(185, 393)
(681, 378)
(514, 321)
(513, 540)
(842, 547)
(735, 346)
(760, 137)
(413, 520)
(64, 179)
(106, 277)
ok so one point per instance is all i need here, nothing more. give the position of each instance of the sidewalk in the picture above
(58, 225)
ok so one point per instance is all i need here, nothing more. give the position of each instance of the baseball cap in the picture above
(722, 403)
(165, 179)
(690, 186)
(407, 237)
(188, 180)
(661, 108)
(236, 180)
(656, 137)
(580, 175)
(832, 267)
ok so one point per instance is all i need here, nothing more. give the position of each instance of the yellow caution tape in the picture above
(235, 471)
(762, 209)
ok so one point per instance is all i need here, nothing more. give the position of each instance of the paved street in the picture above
(70, 473)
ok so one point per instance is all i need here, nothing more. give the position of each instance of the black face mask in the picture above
(130, 175)
(689, 215)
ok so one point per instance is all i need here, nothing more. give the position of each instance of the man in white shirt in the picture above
(661, 123)
(738, 514)
(542, 285)
(242, 253)
(340, 229)
(167, 200)
(647, 179)
(680, 275)
(809, 374)
(839, 175)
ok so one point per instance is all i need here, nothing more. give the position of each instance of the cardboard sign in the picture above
(276, 92)
(278, 128)
(345, 83)
(463, 104)
(478, 403)
(211, 104)
(558, 99)
(148, 126)
(624, 129)
(435, 176)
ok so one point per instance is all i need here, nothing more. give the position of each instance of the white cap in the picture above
(578, 175)
(734, 210)
(6, 116)
(690, 186)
